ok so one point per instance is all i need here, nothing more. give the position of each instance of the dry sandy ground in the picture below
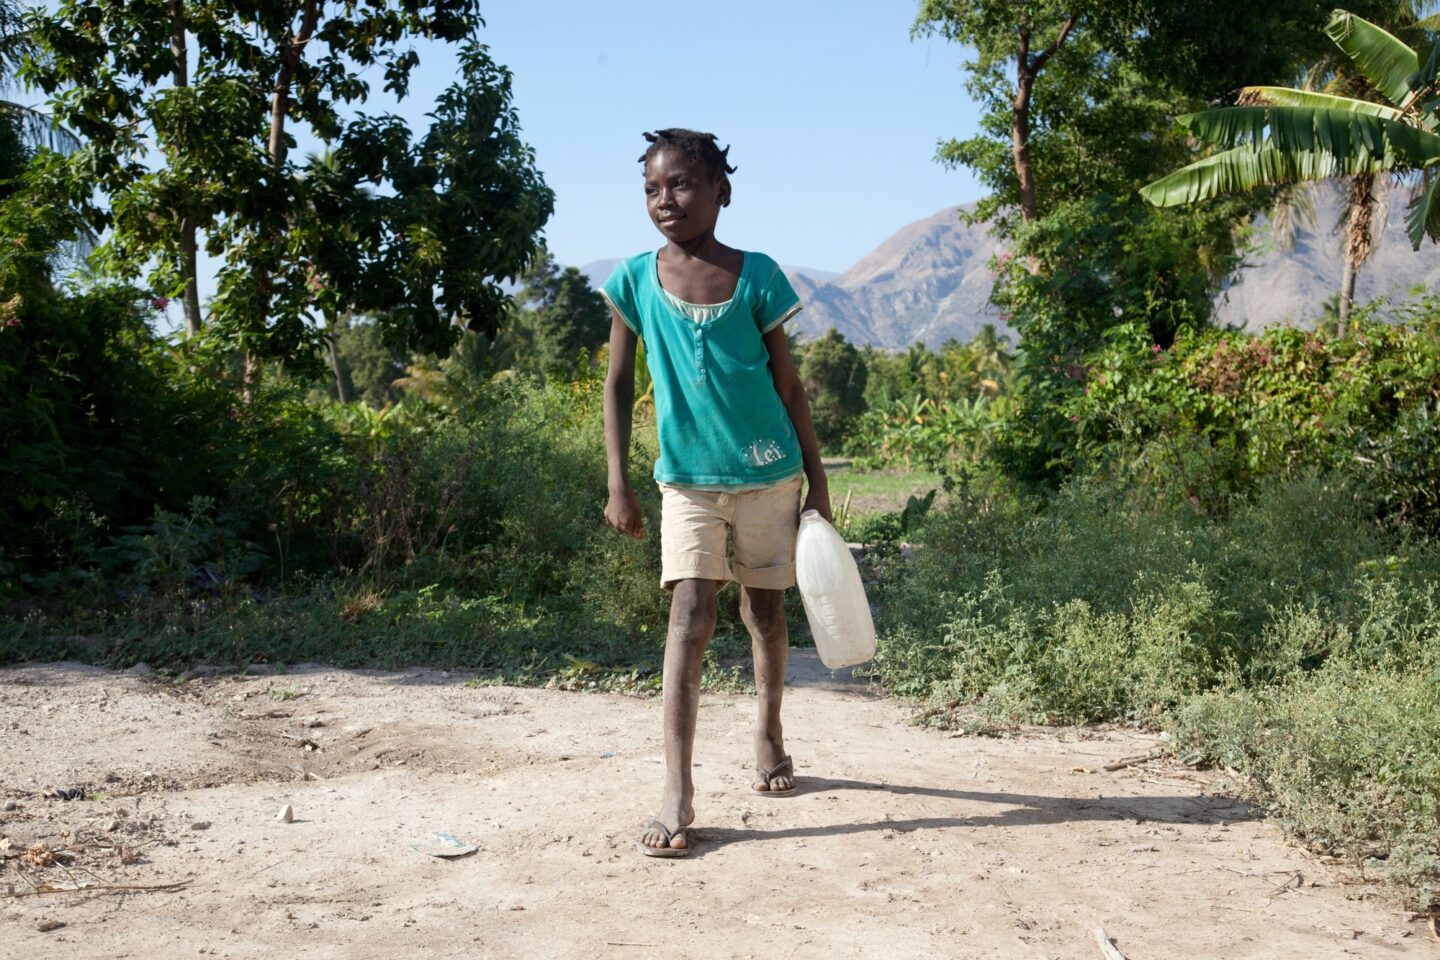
(904, 842)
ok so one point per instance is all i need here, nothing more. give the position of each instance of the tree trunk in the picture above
(1347, 295)
(1359, 221)
(294, 48)
(188, 246)
(1027, 68)
(342, 383)
(291, 49)
(1020, 142)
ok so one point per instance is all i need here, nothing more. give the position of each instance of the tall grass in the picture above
(470, 537)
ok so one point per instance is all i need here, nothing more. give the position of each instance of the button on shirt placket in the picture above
(699, 353)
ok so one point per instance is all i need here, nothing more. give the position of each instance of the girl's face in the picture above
(683, 200)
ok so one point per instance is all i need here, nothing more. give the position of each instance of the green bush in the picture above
(1216, 412)
(469, 535)
(1344, 756)
(1293, 639)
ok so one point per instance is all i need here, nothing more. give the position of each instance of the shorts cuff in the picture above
(694, 566)
(779, 577)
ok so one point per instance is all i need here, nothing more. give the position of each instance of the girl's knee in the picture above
(763, 611)
(693, 609)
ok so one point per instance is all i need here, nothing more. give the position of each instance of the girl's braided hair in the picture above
(693, 146)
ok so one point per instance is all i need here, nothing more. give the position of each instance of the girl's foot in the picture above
(667, 831)
(769, 755)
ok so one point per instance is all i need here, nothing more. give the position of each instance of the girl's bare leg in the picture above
(763, 612)
(692, 624)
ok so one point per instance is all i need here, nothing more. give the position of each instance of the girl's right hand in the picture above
(623, 514)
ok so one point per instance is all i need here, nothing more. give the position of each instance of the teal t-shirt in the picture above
(720, 419)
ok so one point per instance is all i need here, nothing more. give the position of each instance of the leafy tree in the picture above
(833, 373)
(1068, 89)
(1066, 138)
(560, 318)
(415, 232)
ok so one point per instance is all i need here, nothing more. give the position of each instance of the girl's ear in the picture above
(723, 195)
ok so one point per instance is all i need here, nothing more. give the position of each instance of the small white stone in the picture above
(286, 814)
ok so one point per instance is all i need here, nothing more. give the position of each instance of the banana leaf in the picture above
(1423, 217)
(1289, 97)
(1386, 62)
(1245, 168)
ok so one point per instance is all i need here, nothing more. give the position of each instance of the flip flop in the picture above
(768, 775)
(667, 850)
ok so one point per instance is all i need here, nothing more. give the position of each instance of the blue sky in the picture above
(832, 112)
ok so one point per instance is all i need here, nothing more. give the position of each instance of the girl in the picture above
(735, 439)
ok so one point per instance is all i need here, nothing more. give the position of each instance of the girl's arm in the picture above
(623, 510)
(792, 394)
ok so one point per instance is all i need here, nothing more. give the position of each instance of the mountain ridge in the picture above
(930, 281)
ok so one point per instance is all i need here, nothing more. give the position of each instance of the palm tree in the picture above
(1281, 136)
(1367, 195)
(36, 127)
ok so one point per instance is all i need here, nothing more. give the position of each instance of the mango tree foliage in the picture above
(189, 110)
(833, 373)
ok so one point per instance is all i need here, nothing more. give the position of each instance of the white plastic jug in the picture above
(833, 595)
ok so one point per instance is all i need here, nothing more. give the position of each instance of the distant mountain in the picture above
(1292, 286)
(930, 281)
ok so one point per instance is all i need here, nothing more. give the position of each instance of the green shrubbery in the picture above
(1262, 636)
(1232, 538)
(466, 535)
(1218, 410)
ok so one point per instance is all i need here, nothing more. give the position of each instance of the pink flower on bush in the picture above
(159, 303)
(1156, 348)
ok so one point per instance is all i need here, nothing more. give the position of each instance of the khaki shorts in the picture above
(761, 523)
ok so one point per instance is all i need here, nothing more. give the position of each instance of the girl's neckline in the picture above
(728, 305)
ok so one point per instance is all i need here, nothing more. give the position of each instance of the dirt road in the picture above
(904, 842)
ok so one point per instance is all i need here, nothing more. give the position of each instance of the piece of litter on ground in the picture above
(607, 754)
(1106, 947)
(444, 845)
(286, 814)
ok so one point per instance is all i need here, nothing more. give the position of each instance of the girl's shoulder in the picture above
(761, 270)
(634, 266)
(626, 276)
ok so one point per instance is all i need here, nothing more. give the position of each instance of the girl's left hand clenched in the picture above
(817, 498)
